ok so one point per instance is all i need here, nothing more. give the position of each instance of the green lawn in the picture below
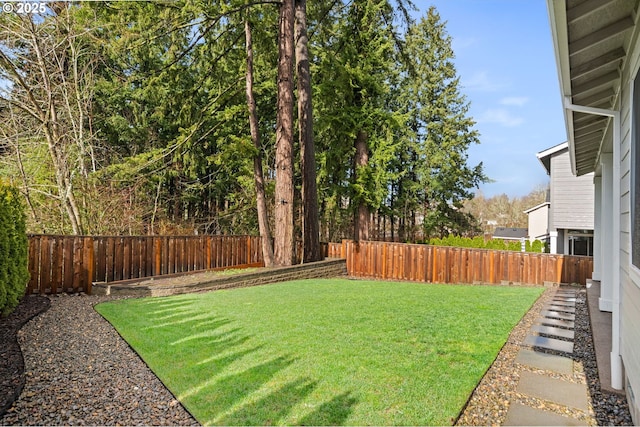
(323, 352)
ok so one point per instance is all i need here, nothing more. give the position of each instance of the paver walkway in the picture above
(548, 370)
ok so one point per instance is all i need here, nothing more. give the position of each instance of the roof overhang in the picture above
(545, 155)
(540, 206)
(591, 39)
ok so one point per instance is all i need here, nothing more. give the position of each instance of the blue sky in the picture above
(504, 57)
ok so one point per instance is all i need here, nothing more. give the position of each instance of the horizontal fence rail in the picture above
(439, 264)
(72, 263)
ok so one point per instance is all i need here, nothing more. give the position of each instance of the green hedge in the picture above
(480, 243)
(14, 249)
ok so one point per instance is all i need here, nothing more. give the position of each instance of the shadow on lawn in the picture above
(269, 409)
(272, 408)
(332, 413)
(203, 348)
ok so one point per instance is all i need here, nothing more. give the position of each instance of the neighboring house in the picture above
(539, 223)
(571, 201)
(509, 233)
(598, 57)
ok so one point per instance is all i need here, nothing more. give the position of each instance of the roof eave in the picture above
(544, 156)
(559, 34)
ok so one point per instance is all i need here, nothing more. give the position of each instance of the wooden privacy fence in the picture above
(73, 263)
(439, 264)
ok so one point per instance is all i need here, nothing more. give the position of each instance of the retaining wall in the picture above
(209, 281)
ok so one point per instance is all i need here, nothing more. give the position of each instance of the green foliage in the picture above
(434, 176)
(165, 145)
(479, 243)
(14, 247)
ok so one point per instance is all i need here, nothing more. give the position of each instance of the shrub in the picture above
(480, 243)
(14, 249)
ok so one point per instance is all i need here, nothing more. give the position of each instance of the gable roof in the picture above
(545, 155)
(510, 233)
(536, 207)
(591, 40)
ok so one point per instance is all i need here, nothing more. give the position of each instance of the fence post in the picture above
(157, 258)
(248, 260)
(34, 264)
(89, 260)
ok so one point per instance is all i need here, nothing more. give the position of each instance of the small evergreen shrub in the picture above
(14, 249)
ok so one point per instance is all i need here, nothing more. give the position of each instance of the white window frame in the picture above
(634, 172)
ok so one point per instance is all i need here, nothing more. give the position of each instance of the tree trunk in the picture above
(258, 176)
(361, 227)
(283, 242)
(310, 226)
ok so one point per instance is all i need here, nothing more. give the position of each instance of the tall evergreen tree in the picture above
(261, 200)
(436, 175)
(356, 62)
(284, 203)
(160, 143)
(310, 225)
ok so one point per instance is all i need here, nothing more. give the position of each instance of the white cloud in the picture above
(480, 81)
(500, 116)
(517, 101)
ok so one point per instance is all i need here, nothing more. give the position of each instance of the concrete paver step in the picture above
(564, 295)
(544, 361)
(555, 322)
(562, 303)
(561, 308)
(564, 298)
(554, 390)
(550, 330)
(557, 315)
(567, 291)
(521, 415)
(549, 343)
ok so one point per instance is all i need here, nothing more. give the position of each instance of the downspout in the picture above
(616, 359)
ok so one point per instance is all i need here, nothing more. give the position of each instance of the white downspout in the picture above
(616, 361)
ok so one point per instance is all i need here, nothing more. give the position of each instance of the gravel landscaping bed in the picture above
(78, 371)
(11, 361)
(490, 402)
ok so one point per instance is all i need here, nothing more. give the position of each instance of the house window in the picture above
(635, 175)
(580, 242)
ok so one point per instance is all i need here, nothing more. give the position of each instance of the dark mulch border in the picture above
(12, 377)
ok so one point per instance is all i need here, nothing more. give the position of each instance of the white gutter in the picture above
(616, 359)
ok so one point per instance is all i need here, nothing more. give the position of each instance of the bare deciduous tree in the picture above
(46, 74)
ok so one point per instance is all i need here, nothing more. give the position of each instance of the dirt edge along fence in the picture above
(439, 264)
(72, 263)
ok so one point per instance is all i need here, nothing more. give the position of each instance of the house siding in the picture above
(572, 198)
(539, 222)
(630, 287)
(630, 307)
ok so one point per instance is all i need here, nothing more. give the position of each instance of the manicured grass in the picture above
(323, 352)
